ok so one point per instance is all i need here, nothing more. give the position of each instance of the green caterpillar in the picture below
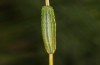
(48, 29)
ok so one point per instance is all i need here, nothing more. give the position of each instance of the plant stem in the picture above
(50, 59)
(47, 3)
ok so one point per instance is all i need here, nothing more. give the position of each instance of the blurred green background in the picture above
(78, 32)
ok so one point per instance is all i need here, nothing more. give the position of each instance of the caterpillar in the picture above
(48, 25)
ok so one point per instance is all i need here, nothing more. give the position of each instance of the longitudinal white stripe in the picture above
(47, 21)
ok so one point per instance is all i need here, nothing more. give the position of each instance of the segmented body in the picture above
(48, 29)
